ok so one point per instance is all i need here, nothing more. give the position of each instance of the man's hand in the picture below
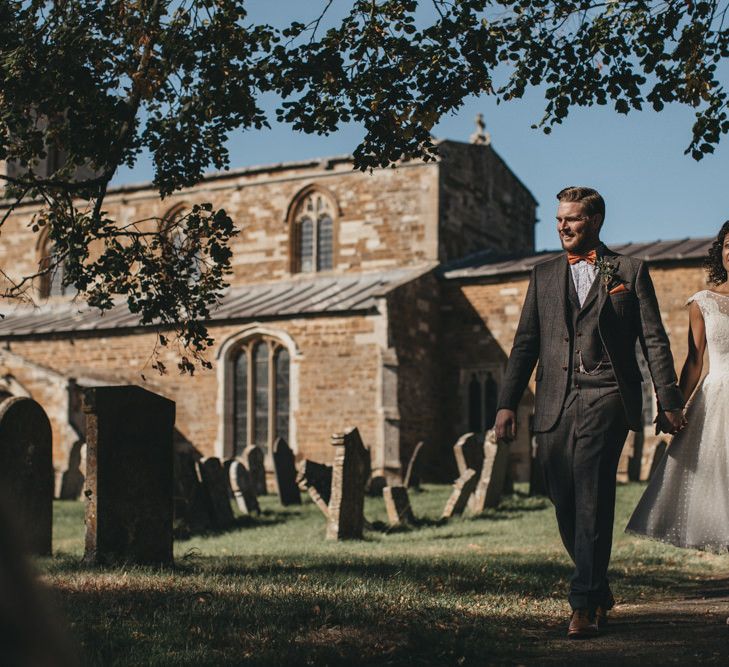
(505, 425)
(670, 422)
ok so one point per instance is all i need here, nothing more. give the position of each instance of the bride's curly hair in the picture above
(713, 264)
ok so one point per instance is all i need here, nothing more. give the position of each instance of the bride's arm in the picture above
(691, 371)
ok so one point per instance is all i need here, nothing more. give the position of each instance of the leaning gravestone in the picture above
(212, 476)
(242, 485)
(415, 464)
(397, 505)
(284, 464)
(468, 451)
(253, 461)
(316, 475)
(658, 454)
(129, 481)
(191, 509)
(493, 475)
(351, 472)
(463, 487)
(26, 469)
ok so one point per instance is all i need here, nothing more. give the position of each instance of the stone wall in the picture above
(482, 204)
(415, 334)
(383, 219)
(336, 363)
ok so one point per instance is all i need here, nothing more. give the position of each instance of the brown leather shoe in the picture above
(582, 625)
(601, 613)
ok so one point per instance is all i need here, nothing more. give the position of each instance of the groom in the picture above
(582, 315)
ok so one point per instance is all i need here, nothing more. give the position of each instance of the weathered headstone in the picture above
(351, 472)
(212, 475)
(318, 500)
(284, 464)
(242, 485)
(253, 461)
(397, 505)
(191, 509)
(26, 469)
(636, 440)
(490, 484)
(72, 480)
(375, 486)
(468, 451)
(463, 487)
(129, 479)
(658, 454)
(316, 475)
(415, 464)
(536, 475)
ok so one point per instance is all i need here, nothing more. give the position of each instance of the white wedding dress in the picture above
(686, 502)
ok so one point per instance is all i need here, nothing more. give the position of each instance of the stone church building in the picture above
(386, 300)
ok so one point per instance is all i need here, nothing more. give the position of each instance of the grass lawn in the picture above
(274, 592)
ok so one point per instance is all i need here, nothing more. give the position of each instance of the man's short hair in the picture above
(591, 199)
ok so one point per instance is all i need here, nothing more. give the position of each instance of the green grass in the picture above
(274, 592)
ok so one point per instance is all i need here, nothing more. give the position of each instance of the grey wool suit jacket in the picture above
(544, 336)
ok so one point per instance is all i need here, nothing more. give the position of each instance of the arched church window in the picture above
(481, 390)
(313, 232)
(260, 393)
(51, 269)
(175, 240)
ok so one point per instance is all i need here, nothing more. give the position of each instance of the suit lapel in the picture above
(562, 275)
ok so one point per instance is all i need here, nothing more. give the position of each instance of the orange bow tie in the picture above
(590, 257)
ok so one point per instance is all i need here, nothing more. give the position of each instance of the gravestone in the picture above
(316, 475)
(349, 479)
(129, 478)
(397, 505)
(211, 474)
(191, 509)
(26, 469)
(318, 500)
(242, 485)
(536, 475)
(284, 465)
(636, 440)
(494, 469)
(468, 451)
(463, 487)
(253, 461)
(658, 454)
(415, 465)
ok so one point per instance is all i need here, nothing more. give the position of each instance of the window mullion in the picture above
(250, 406)
(271, 397)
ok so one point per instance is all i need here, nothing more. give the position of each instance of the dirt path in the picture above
(687, 629)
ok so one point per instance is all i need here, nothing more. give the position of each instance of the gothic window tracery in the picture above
(260, 369)
(313, 232)
(51, 270)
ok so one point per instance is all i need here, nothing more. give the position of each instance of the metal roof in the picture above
(284, 298)
(489, 263)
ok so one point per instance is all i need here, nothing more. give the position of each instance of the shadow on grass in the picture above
(273, 623)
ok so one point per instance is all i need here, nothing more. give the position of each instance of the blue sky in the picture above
(653, 191)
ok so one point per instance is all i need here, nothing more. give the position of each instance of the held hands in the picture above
(670, 422)
(505, 425)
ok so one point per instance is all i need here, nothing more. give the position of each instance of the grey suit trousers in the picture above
(579, 458)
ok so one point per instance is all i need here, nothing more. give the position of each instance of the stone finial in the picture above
(480, 137)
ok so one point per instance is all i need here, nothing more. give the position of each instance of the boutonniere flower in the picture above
(607, 272)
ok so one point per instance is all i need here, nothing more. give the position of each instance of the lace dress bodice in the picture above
(715, 310)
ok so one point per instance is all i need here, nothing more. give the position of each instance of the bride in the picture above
(686, 502)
